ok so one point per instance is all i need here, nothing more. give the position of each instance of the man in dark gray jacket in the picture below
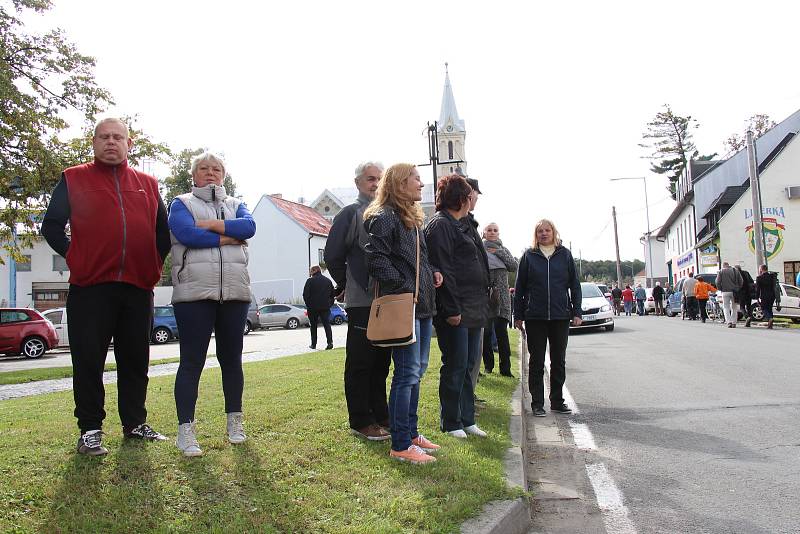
(366, 366)
(729, 281)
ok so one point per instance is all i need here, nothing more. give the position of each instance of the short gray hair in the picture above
(207, 156)
(110, 119)
(362, 168)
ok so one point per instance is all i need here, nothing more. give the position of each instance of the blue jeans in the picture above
(461, 349)
(410, 363)
(640, 306)
(628, 305)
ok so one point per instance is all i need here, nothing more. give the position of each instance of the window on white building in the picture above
(24, 266)
(59, 263)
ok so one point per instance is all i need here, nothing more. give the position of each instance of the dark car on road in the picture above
(165, 328)
(25, 331)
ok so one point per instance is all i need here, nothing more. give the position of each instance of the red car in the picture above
(25, 331)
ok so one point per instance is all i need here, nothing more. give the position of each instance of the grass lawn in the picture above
(49, 373)
(300, 471)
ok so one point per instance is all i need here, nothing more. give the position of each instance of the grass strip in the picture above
(299, 471)
(50, 373)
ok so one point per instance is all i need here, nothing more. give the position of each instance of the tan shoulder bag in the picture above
(391, 317)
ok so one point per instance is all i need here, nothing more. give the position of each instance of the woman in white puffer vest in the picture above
(211, 292)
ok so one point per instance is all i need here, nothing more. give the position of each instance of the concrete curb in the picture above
(509, 516)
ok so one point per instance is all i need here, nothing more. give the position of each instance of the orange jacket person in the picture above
(701, 291)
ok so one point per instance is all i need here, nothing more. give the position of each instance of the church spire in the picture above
(448, 117)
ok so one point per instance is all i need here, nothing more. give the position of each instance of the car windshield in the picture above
(590, 290)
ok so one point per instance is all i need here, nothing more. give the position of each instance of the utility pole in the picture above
(616, 247)
(755, 192)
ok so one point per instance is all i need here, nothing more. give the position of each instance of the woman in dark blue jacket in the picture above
(462, 304)
(547, 297)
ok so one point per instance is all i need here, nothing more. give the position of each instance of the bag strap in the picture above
(416, 281)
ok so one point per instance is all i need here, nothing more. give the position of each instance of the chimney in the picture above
(277, 195)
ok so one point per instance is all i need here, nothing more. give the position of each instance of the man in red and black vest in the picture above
(115, 251)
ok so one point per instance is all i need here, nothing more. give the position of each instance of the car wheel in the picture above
(757, 313)
(669, 312)
(247, 327)
(610, 328)
(161, 335)
(292, 323)
(338, 320)
(33, 347)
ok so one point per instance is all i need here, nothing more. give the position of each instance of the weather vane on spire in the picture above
(445, 67)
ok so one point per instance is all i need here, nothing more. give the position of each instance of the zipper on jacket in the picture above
(548, 286)
(124, 224)
(221, 264)
(183, 264)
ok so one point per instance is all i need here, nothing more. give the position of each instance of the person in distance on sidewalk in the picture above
(318, 296)
(768, 292)
(394, 221)
(548, 297)
(115, 251)
(211, 293)
(366, 366)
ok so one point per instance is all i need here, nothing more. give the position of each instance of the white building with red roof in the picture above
(289, 240)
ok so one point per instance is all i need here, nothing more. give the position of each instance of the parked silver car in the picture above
(285, 315)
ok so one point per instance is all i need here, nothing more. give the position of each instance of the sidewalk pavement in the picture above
(12, 391)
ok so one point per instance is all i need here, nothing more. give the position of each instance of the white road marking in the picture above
(582, 436)
(609, 499)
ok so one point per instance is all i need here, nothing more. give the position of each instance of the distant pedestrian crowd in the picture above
(454, 278)
(732, 294)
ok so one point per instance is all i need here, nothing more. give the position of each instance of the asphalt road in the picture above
(698, 425)
(257, 341)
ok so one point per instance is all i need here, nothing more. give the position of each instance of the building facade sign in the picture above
(685, 260)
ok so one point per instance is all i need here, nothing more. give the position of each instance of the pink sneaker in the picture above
(413, 455)
(426, 445)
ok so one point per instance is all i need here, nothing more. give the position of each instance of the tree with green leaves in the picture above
(42, 76)
(669, 139)
(759, 124)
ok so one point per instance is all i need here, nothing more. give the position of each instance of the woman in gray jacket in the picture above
(501, 262)
(211, 292)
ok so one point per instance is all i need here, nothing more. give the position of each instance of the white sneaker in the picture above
(475, 431)
(236, 427)
(186, 440)
(458, 434)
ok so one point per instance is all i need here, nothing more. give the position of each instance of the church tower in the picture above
(451, 133)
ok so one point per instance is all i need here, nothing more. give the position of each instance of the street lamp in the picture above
(649, 264)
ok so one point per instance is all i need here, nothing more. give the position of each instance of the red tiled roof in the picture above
(308, 218)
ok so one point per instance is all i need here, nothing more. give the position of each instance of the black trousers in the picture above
(365, 370)
(539, 334)
(323, 316)
(196, 320)
(701, 304)
(691, 307)
(659, 306)
(499, 326)
(95, 315)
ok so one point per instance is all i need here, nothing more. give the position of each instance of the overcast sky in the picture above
(555, 95)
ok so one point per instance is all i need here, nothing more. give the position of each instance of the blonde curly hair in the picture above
(393, 192)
